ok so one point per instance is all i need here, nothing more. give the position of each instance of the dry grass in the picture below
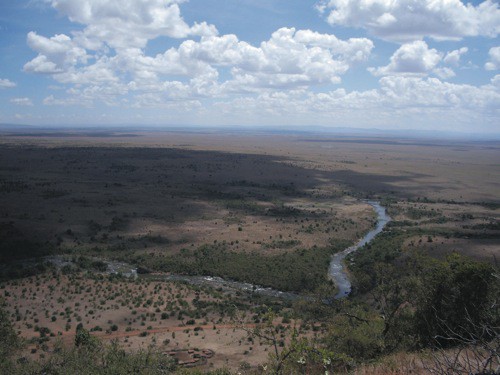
(156, 193)
(131, 312)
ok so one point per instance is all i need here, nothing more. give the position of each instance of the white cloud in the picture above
(453, 57)
(41, 64)
(408, 20)
(289, 59)
(412, 101)
(494, 62)
(103, 71)
(412, 58)
(293, 58)
(220, 78)
(67, 101)
(6, 84)
(417, 59)
(495, 81)
(21, 101)
(55, 55)
(155, 101)
(107, 57)
(431, 92)
(444, 73)
(110, 47)
(128, 24)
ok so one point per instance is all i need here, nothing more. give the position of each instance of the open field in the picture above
(138, 313)
(264, 194)
(269, 210)
(436, 169)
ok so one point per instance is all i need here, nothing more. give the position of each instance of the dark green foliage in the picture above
(109, 360)
(86, 263)
(485, 226)
(457, 296)
(300, 270)
(99, 266)
(83, 339)
(419, 213)
(9, 341)
(357, 332)
(385, 249)
(423, 300)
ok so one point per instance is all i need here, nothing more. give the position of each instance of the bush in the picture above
(9, 341)
(112, 359)
(456, 296)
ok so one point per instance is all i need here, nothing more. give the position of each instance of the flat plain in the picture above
(266, 208)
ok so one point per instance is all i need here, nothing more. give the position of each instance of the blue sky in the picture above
(407, 64)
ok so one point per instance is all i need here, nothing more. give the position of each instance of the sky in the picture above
(428, 65)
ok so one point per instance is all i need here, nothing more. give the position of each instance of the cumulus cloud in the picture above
(453, 57)
(108, 55)
(494, 62)
(413, 58)
(415, 92)
(66, 101)
(414, 100)
(290, 58)
(111, 28)
(495, 81)
(417, 59)
(128, 24)
(223, 77)
(431, 92)
(6, 84)
(22, 101)
(55, 55)
(408, 20)
(296, 58)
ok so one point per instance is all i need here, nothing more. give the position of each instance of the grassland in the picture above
(269, 210)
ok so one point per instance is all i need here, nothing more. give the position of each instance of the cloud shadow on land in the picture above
(78, 195)
(104, 196)
(370, 184)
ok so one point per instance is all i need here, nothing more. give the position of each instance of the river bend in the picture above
(336, 271)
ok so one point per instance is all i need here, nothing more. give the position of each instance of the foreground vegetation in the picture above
(446, 311)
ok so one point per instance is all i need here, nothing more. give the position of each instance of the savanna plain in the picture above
(174, 252)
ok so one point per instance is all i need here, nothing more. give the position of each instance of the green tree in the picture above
(9, 341)
(83, 339)
(356, 331)
(457, 295)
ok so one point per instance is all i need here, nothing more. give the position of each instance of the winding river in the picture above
(336, 270)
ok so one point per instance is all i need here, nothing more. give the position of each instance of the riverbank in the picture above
(337, 271)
